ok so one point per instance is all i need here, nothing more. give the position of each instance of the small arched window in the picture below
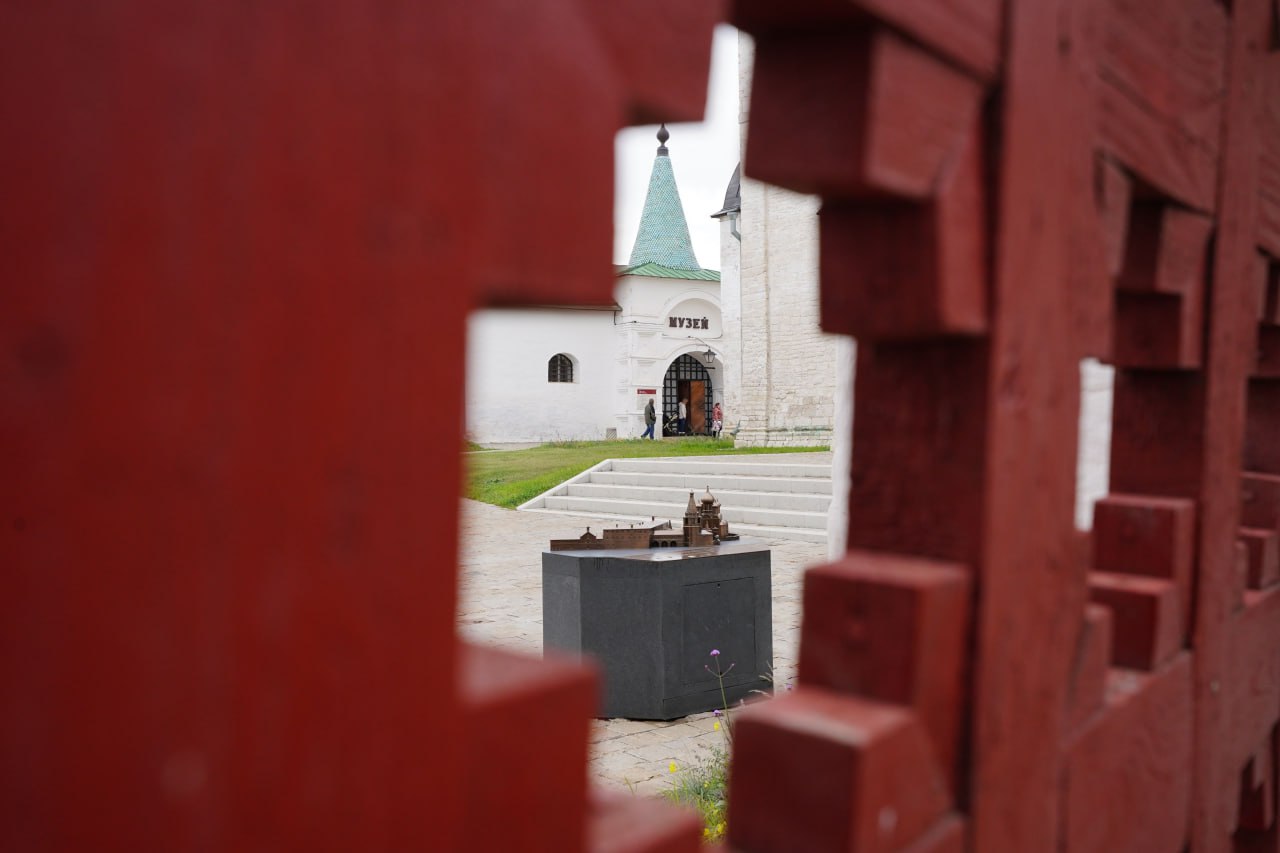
(560, 368)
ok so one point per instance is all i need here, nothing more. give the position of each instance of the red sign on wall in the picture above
(646, 390)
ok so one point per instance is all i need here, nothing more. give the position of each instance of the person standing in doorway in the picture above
(682, 417)
(650, 418)
(717, 420)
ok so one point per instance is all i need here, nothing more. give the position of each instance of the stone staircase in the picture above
(782, 495)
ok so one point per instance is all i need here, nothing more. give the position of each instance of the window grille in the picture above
(682, 370)
(560, 368)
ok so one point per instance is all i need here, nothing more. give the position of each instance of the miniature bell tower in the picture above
(692, 522)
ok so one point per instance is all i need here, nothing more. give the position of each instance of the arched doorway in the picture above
(687, 379)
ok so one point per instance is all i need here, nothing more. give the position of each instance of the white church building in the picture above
(571, 372)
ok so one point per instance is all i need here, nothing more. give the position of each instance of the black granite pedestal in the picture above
(650, 618)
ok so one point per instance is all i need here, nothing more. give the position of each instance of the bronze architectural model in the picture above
(702, 526)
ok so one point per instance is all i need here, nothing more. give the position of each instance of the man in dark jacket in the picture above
(650, 418)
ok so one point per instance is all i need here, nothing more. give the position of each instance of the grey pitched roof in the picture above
(663, 237)
(732, 195)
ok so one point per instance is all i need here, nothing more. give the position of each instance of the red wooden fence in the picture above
(240, 240)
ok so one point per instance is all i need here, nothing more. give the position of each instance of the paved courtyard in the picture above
(500, 603)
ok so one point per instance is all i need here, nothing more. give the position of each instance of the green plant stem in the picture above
(724, 703)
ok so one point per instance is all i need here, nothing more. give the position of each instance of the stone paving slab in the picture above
(500, 603)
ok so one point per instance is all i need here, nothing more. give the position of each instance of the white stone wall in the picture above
(616, 354)
(648, 344)
(731, 310)
(788, 364)
(508, 396)
(1094, 450)
(841, 449)
(787, 388)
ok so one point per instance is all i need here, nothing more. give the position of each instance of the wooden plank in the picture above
(1031, 578)
(247, 234)
(1260, 281)
(1239, 577)
(225, 633)
(1114, 197)
(904, 118)
(1091, 216)
(918, 612)
(909, 270)
(1252, 677)
(1093, 659)
(1231, 313)
(922, 120)
(1157, 434)
(1260, 500)
(1126, 785)
(1158, 153)
(1143, 535)
(945, 837)
(621, 822)
(664, 72)
(1160, 307)
(1267, 365)
(966, 31)
(1147, 629)
(506, 697)
(823, 772)
(1161, 68)
(1270, 301)
(1263, 547)
(1167, 251)
(1268, 78)
(1257, 795)
(1158, 330)
(920, 492)
(1171, 56)
(1261, 450)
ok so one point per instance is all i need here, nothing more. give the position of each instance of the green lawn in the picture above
(511, 477)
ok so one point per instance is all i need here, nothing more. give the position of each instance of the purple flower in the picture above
(715, 653)
(717, 713)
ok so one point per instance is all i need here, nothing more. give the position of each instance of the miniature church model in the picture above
(702, 527)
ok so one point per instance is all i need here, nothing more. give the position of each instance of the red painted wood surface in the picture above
(1119, 694)
(240, 242)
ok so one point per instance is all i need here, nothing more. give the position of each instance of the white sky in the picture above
(703, 156)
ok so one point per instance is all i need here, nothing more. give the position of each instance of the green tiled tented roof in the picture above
(663, 237)
(656, 270)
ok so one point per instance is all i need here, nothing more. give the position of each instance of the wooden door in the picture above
(697, 407)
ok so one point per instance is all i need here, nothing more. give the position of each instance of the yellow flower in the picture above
(720, 828)
(716, 726)
(671, 767)
(706, 833)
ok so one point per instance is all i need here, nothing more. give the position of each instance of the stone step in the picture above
(799, 534)
(680, 496)
(675, 510)
(724, 465)
(783, 496)
(717, 482)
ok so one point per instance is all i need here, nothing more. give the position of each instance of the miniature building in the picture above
(702, 526)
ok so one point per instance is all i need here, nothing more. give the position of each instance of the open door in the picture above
(687, 379)
(697, 407)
